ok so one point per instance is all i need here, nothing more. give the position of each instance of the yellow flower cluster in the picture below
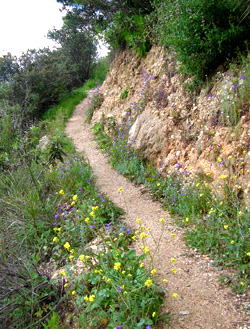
(89, 298)
(143, 235)
(66, 246)
(148, 283)
(117, 266)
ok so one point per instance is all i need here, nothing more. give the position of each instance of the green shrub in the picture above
(129, 32)
(95, 103)
(202, 32)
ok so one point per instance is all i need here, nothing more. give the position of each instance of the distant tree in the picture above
(34, 81)
(78, 45)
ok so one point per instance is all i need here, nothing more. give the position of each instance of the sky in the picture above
(24, 24)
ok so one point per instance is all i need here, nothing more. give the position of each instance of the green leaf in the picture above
(131, 254)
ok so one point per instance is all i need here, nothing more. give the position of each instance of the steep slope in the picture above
(174, 128)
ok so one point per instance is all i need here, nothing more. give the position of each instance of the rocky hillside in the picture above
(206, 133)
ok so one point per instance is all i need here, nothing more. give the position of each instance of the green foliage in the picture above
(128, 32)
(100, 69)
(95, 102)
(78, 47)
(53, 322)
(124, 93)
(202, 33)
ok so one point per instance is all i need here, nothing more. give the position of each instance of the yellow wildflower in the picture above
(138, 220)
(161, 220)
(153, 272)
(73, 293)
(86, 298)
(153, 314)
(164, 280)
(142, 265)
(173, 235)
(92, 214)
(59, 229)
(173, 260)
(242, 283)
(148, 229)
(129, 275)
(143, 235)
(120, 189)
(223, 176)
(71, 257)
(91, 298)
(134, 238)
(63, 273)
(146, 250)
(175, 295)
(74, 197)
(81, 257)
(117, 266)
(148, 283)
(225, 227)
(248, 254)
(73, 203)
(158, 184)
(174, 270)
(87, 220)
(54, 239)
(240, 213)
(187, 219)
(61, 192)
(66, 285)
(232, 242)
(66, 246)
(123, 272)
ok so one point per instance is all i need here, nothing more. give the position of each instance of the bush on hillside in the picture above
(202, 32)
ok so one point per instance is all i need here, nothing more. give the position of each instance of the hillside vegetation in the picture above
(165, 57)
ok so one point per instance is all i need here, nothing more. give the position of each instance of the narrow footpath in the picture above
(202, 302)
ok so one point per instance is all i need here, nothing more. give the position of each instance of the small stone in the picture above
(184, 313)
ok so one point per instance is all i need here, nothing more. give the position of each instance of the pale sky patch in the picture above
(24, 24)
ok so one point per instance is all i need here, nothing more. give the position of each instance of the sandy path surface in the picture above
(202, 302)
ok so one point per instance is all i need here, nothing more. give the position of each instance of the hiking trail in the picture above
(202, 301)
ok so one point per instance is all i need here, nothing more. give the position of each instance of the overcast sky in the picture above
(24, 24)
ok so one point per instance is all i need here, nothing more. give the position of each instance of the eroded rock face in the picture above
(172, 128)
(147, 135)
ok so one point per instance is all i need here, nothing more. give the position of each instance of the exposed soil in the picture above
(202, 301)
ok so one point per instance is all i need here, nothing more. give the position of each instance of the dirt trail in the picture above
(202, 302)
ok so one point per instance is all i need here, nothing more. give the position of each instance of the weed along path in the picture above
(202, 302)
